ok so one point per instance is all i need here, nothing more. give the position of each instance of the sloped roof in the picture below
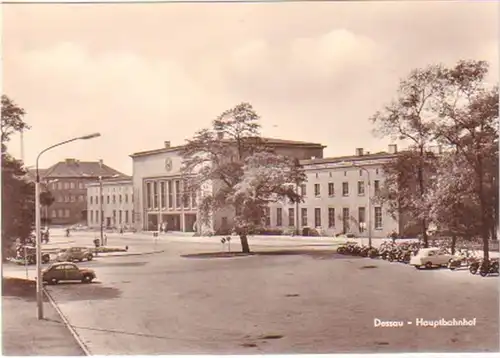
(31, 174)
(72, 168)
(266, 140)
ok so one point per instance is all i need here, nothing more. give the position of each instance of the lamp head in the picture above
(90, 136)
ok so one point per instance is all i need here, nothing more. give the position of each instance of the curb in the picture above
(68, 325)
(133, 254)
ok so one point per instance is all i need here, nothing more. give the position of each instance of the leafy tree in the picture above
(233, 169)
(468, 121)
(400, 191)
(454, 209)
(409, 117)
(12, 120)
(18, 194)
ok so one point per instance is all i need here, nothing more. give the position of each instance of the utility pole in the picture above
(101, 199)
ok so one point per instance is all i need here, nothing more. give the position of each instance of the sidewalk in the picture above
(24, 335)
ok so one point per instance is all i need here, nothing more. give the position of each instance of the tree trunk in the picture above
(484, 211)
(453, 243)
(245, 248)
(420, 175)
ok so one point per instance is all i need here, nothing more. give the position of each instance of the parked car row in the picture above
(423, 258)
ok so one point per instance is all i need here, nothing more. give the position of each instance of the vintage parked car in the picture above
(27, 254)
(430, 257)
(67, 271)
(75, 254)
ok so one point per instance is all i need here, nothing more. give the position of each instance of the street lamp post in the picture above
(101, 199)
(39, 283)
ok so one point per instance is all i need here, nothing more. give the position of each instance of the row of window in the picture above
(70, 198)
(345, 173)
(60, 213)
(109, 198)
(124, 217)
(67, 185)
(345, 188)
(168, 194)
(346, 218)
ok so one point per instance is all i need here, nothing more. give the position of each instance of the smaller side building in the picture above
(110, 201)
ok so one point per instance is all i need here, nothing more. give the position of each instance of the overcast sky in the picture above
(144, 73)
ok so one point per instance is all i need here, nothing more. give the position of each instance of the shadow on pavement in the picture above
(84, 292)
(18, 287)
(316, 254)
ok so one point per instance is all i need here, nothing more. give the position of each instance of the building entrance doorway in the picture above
(173, 222)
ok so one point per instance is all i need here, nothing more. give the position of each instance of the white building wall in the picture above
(121, 199)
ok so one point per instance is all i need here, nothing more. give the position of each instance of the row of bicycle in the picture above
(414, 254)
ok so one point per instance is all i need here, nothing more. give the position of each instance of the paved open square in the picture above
(295, 299)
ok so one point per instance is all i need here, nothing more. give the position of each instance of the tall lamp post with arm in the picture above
(39, 283)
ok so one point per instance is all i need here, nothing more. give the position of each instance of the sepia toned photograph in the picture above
(250, 178)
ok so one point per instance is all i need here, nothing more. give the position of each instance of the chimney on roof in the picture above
(70, 160)
(393, 148)
(167, 144)
(101, 163)
(359, 152)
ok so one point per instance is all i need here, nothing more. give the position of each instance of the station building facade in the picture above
(157, 183)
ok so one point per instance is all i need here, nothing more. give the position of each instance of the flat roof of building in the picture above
(271, 141)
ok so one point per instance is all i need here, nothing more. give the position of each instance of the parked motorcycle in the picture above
(489, 267)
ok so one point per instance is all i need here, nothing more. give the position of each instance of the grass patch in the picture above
(106, 250)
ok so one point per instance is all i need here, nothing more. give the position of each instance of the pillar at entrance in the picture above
(183, 222)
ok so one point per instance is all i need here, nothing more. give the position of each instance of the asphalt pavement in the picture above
(305, 300)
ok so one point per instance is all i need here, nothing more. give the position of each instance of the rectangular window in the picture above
(91, 216)
(194, 199)
(148, 195)
(267, 213)
(279, 217)
(133, 216)
(120, 199)
(317, 190)
(60, 213)
(163, 195)
(331, 189)
(66, 185)
(114, 216)
(96, 216)
(126, 216)
(91, 200)
(170, 194)
(126, 198)
(66, 199)
(177, 194)
(81, 198)
(155, 194)
(317, 217)
(72, 185)
(303, 215)
(376, 186)
(54, 213)
(120, 216)
(331, 217)
(303, 189)
(66, 213)
(185, 197)
(291, 217)
(361, 219)
(378, 217)
(59, 185)
(345, 189)
(81, 185)
(345, 219)
(361, 187)
(72, 198)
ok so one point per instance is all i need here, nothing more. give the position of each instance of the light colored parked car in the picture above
(75, 254)
(430, 257)
(67, 271)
